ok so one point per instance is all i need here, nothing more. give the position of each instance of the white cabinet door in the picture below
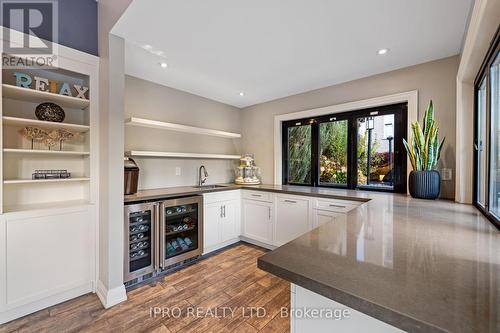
(48, 255)
(258, 220)
(292, 218)
(324, 216)
(211, 225)
(230, 220)
(354, 323)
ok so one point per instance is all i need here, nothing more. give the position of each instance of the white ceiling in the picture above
(275, 48)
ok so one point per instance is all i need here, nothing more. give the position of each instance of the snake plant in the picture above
(425, 149)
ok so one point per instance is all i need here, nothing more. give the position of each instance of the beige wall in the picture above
(482, 28)
(434, 80)
(152, 101)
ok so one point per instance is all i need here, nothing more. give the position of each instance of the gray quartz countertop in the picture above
(419, 265)
(171, 192)
(422, 266)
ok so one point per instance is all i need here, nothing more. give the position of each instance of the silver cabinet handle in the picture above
(224, 210)
(161, 237)
(256, 195)
(336, 206)
(155, 235)
(269, 213)
(291, 201)
(221, 215)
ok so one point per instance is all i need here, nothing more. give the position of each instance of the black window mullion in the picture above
(314, 153)
(352, 165)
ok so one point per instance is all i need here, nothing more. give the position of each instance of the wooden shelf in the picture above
(33, 181)
(134, 121)
(142, 153)
(46, 124)
(36, 96)
(45, 152)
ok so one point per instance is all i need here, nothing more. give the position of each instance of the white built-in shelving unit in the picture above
(78, 156)
(48, 228)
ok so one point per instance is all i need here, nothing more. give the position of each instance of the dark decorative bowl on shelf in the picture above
(50, 112)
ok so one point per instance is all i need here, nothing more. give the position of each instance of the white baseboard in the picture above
(255, 242)
(110, 297)
(46, 302)
(220, 246)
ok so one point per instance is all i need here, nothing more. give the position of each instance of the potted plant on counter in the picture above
(424, 152)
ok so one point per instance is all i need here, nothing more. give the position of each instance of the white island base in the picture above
(312, 312)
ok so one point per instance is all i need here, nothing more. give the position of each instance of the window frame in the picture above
(484, 75)
(400, 158)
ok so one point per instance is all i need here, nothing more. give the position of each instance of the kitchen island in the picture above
(417, 265)
(412, 265)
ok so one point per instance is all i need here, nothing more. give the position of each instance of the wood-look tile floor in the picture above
(227, 280)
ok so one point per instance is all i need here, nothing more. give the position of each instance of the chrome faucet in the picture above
(201, 180)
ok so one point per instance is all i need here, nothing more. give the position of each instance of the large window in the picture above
(358, 149)
(487, 135)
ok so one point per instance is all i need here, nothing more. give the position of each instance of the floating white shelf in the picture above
(46, 124)
(134, 121)
(45, 152)
(142, 153)
(36, 96)
(33, 181)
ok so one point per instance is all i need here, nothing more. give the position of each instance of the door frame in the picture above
(409, 97)
(484, 74)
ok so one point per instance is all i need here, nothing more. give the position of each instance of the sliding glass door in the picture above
(359, 149)
(487, 136)
(495, 138)
(480, 144)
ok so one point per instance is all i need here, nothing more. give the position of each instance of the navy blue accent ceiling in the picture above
(77, 25)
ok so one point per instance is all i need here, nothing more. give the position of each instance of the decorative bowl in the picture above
(50, 112)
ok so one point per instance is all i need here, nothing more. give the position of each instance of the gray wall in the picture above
(152, 101)
(434, 80)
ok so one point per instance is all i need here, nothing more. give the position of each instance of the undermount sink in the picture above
(208, 187)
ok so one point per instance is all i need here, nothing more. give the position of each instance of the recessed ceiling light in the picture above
(163, 65)
(242, 93)
(382, 51)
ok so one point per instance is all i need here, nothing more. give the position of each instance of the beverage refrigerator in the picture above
(160, 234)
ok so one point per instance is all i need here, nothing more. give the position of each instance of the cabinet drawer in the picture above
(335, 205)
(258, 195)
(221, 196)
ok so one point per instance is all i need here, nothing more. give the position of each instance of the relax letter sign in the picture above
(42, 84)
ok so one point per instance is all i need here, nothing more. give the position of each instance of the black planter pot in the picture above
(424, 184)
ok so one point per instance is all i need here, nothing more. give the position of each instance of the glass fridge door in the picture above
(181, 219)
(139, 239)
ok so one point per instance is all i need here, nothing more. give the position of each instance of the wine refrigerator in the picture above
(161, 234)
